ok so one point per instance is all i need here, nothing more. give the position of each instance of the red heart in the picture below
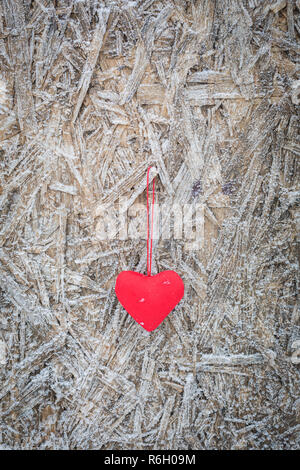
(149, 299)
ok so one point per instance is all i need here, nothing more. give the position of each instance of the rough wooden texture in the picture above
(91, 93)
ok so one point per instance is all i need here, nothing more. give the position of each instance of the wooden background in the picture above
(91, 93)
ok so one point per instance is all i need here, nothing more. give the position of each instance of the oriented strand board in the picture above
(92, 92)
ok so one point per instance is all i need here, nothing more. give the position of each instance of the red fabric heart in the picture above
(149, 299)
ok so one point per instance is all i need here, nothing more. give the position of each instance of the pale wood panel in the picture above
(92, 93)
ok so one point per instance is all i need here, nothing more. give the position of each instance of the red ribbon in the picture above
(149, 252)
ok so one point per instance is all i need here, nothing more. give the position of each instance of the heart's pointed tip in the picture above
(149, 329)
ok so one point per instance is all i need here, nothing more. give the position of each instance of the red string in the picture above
(149, 254)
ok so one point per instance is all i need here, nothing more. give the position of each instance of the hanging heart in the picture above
(149, 299)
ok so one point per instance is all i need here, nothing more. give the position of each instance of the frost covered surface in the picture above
(91, 93)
